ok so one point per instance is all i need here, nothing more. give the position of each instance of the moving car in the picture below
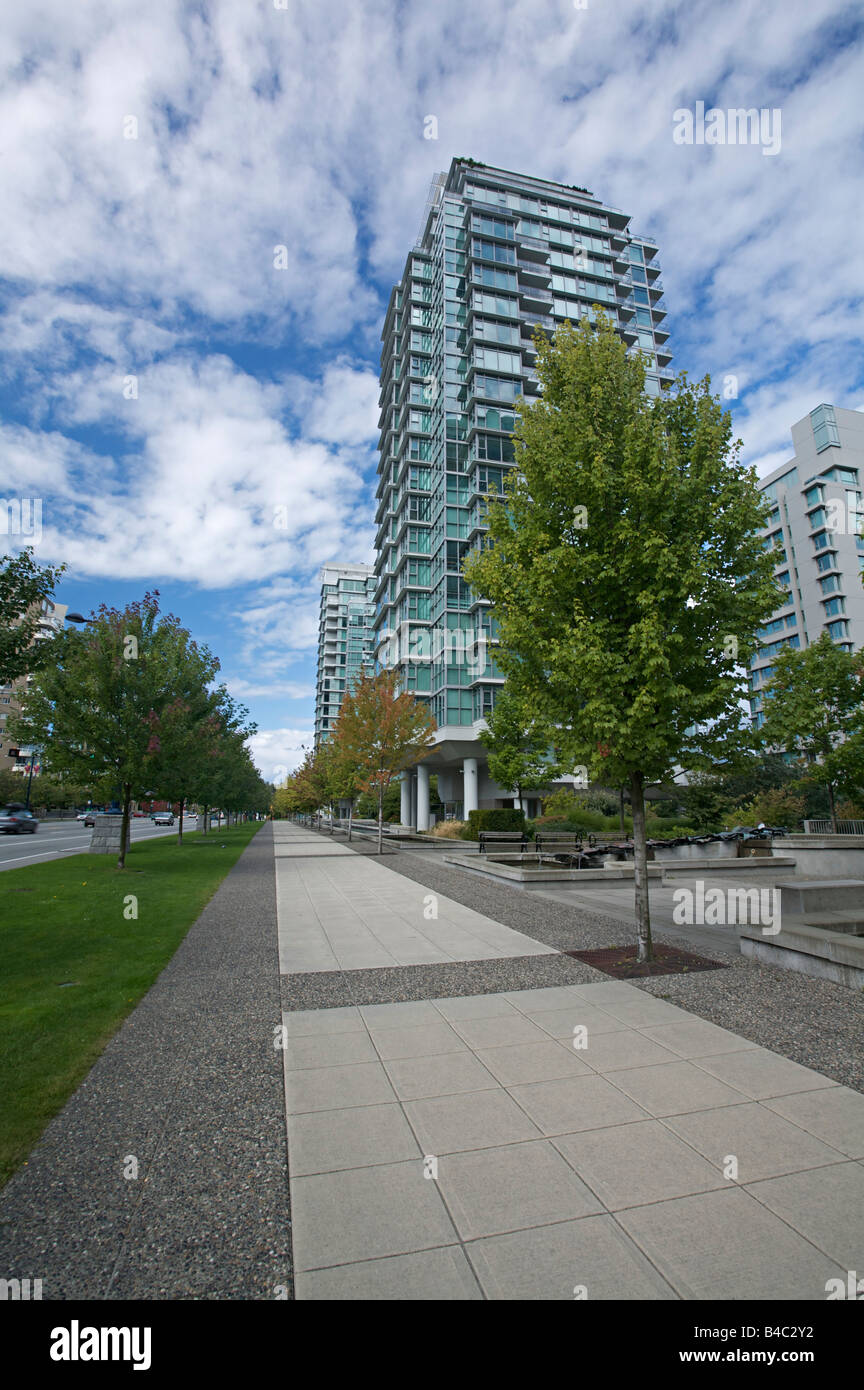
(90, 817)
(163, 817)
(17, 821)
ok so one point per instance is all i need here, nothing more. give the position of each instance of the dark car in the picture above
(14, 821)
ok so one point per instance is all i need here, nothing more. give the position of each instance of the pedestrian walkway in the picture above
(342, 911)
(584, 1140)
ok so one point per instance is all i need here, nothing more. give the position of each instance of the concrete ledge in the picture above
(737, 867)
(544, 873)
(825, 894)
(827, 955)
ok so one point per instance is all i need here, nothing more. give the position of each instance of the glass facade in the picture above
(499, 254)
(344, 638)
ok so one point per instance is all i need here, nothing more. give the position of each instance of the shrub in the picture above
(501, 818)
(775, 806)
(448, 829)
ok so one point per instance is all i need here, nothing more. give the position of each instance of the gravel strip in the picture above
(192, 1087)
(814, 1022)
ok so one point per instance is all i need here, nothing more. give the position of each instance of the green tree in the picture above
(382, 732)
(627, 570)
(520, 746)
(23, 586)
(813, 704)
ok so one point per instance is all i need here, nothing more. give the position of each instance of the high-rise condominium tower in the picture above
(344, 638)
(814, 534)
(498, 253)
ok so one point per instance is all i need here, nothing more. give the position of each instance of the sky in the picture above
(198, 414)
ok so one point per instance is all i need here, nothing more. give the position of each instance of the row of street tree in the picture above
(129, 704)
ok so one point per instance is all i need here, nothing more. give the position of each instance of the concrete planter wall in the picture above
(825, 856)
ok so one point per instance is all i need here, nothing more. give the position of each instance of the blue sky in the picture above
(153, 156)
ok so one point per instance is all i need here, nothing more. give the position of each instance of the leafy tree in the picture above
(381, 733)
(707, 804)
(774, 806)
(23, 586)
(97, 712)
(813, 704)
(520, 746)
(627, 570)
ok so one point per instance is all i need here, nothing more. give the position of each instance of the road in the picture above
(53, 839)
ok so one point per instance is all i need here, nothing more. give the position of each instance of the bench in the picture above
(549, 842)
(504, 837)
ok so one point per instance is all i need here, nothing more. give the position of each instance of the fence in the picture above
(844, 827)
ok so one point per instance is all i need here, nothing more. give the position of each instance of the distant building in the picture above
(12, 757)
(344, 638)
(814, 536)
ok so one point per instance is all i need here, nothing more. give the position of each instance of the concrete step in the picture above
(822, 895)
(852, 921)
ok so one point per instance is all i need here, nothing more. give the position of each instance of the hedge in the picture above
(502, 818)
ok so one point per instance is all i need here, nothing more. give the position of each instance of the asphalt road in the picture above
(53, 839)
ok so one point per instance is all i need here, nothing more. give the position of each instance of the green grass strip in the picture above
(75, 962)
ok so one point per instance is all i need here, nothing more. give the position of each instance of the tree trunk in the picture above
(640, 860)
(205, 819)
(350, 814)
(124, 828)
(180, 825)
(832, 807)
(621, 808)
(380, 819)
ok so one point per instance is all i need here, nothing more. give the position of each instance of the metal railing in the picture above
(824, 827)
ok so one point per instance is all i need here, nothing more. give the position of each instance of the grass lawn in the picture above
(73, 966)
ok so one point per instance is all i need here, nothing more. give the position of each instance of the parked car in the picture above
(163, 817)
(17, 821)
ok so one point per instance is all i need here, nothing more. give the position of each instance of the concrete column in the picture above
(469, 784)
(422, 797)
(405, 801)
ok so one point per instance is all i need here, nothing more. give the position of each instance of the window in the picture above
(825, 430)
(835, 606)
(831, 584)
(825, 562)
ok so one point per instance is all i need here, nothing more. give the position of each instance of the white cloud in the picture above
(276, 752)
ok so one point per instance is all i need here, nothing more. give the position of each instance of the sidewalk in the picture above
(462, 1147)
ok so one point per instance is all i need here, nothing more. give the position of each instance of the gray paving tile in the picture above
(575, 1103)
(445, 1074)
(476, 1006)
(617, 1051)
(337, 1088)
(833, 1114)
(410, 1015)
(364, 1213)
(478, 1120)
(762, 1074)
(825, 1204)
(328, 1050)
(441, 1275)
(543, 1061)
(644, 1011)
(491, 1191)
(562, 1022)
(724, 1245)
(536, 1001)
(696, 1038)
(675, 1089)
(324, 1141)
(590, 1258)
(629, 1165)
(764, 1144)
(425, 1040)
(498, 1032)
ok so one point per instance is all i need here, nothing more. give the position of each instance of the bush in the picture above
(503, 818)
(448, 829)
(775, 806)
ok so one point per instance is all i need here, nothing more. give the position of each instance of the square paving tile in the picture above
(725, 1245)
(310, 1022)
(762, 1074)
(590, 1258)
(561, 1022)
(337, 1088)
(616, 1051)
(764, 1144)
(328, 1050)
(446, 1074)
(641, 1013)
(696, 1038)
(575, 1103)
(442, 1275)
(491, 1191)
(324, 1141)
(825, 1204)
(629, 1165)
(365, 1213)
(379, 1017)
(478, 1120)
(498, 1032)
(543, 1061)
(476, 1006)
(676, 1089)
(536, 1001)
(425, 1040)
(834, 1114)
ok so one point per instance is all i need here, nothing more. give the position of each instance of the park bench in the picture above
(550, 842)
(503, 837)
